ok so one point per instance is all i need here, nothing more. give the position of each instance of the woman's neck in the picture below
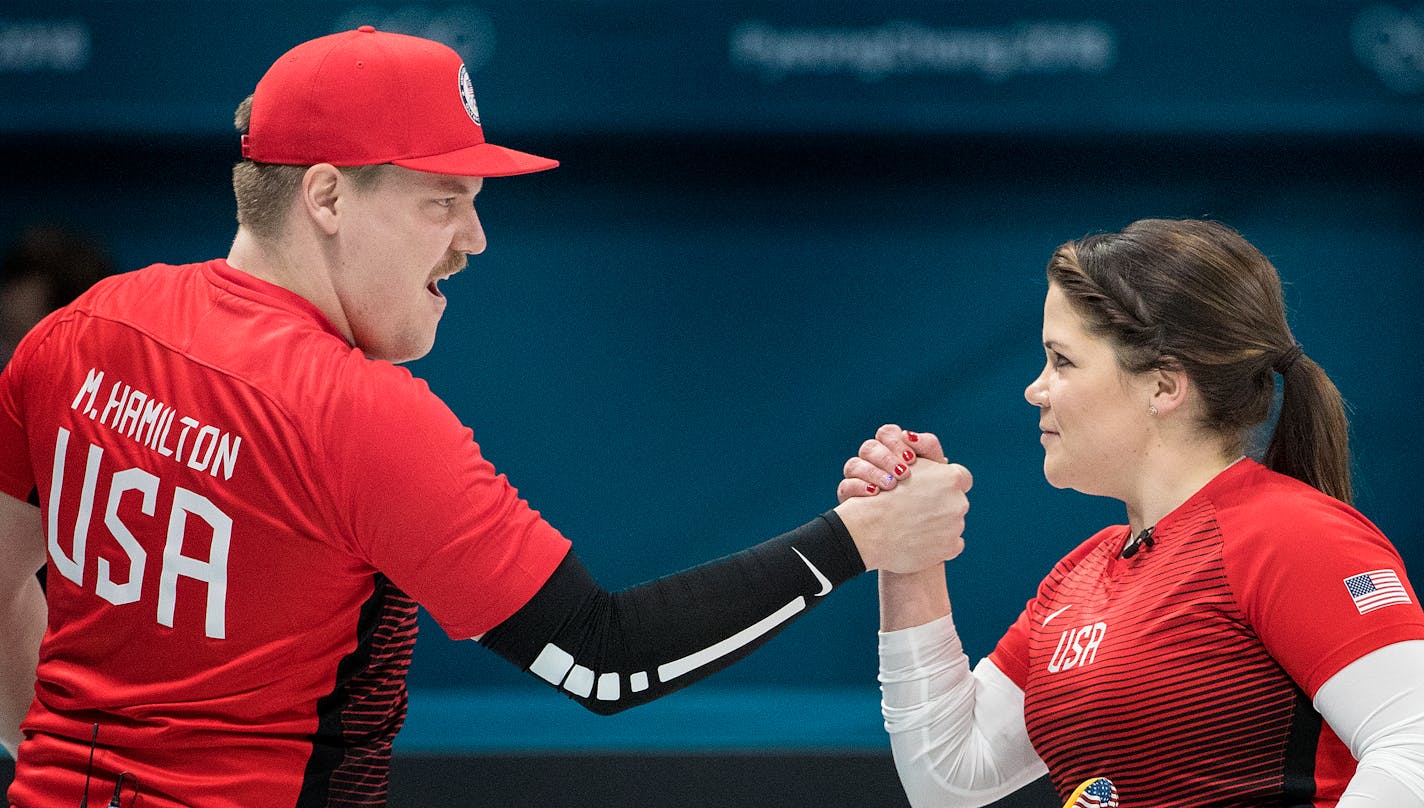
(1168, 479)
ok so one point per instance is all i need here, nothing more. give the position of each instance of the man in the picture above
(242, 499)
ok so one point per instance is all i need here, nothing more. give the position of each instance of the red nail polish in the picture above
(912, 436)
(899, 469)
(907, 455)
(870, 489)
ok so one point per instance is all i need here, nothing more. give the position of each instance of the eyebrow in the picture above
(453, 186)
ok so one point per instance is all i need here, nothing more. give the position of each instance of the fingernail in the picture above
(912, 436)
(907, 455)
(870, 489)
(889, 480)
(899, 470)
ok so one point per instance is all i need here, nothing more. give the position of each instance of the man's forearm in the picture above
(22, 625)
(613, 650)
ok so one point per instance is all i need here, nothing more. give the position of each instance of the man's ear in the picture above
(322, 185)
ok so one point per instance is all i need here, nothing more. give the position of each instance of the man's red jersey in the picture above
(242, 511)
(1185, 673)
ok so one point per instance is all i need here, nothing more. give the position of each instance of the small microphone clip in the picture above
(1136, 542)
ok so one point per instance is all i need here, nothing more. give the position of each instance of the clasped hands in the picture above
(902, 523)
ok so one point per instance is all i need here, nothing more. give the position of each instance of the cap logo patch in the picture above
(467, 94)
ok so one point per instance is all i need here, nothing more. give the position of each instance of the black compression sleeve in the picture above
(610, 651)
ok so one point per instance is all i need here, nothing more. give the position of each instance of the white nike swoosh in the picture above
(1055, 614)
(825, 582)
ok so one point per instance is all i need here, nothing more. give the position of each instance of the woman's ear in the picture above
(1168, 389)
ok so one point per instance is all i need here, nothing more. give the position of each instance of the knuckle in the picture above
(963, 479)
(887, 432)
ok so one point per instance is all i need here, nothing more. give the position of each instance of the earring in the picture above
(1151, 409)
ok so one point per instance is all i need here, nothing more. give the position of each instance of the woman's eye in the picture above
(446, 202)
(1060, 361)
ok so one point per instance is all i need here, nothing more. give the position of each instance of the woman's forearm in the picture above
(912, 599)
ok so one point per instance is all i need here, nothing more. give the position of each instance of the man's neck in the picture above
(284, 263)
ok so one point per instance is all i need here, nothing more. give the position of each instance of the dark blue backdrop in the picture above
(760, 248)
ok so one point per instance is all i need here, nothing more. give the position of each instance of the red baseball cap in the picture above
(368, 97)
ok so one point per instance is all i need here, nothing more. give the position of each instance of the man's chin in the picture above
(402, 351)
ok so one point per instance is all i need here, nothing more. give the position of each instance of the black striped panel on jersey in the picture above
(358, 721)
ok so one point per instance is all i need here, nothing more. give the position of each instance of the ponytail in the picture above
(1310, 441)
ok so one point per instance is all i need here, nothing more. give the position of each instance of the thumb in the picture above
(926, 445)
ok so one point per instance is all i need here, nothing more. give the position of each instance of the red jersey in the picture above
(241, 512)
(1185, 673)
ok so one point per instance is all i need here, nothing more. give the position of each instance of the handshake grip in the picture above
(914, 526)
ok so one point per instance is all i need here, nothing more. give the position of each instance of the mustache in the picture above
(452, 264)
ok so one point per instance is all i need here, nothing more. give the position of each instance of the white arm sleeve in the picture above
(1376, 706)
(958, 737)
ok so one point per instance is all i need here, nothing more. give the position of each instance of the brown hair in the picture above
(1195, 296)
(264, 191)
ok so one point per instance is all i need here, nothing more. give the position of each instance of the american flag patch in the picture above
(1376, 590)
(1098, 792)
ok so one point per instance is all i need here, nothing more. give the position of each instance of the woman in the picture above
(1247, 639)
